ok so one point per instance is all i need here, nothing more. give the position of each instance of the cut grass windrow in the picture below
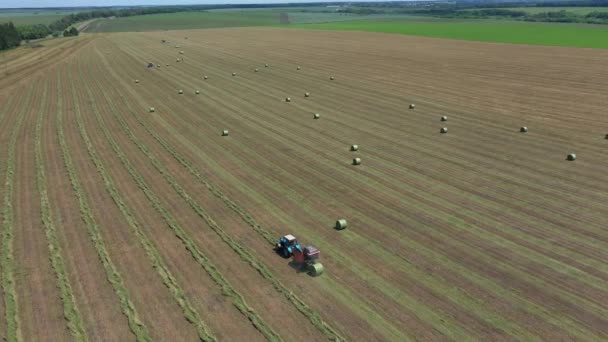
(70, 310)
(189, 244)
(168, 279)
(515, 329)
(308, 312)
(128, 309)
(11, 307)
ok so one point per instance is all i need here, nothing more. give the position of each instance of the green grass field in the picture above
(577, 35)
(575, 10)
(32, 17)
(221, 18)
(185, 20)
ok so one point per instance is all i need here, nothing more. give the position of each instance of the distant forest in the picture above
(11, 36)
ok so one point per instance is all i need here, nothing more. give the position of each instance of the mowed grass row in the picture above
(153, 254)
(364, 243)
(596, 306)
(114, 278)
(193, 249)
(393, 157)
(70, 310)
(333, 287)
(261, 268)
(7, 261)
(344, 258)
(345, 296)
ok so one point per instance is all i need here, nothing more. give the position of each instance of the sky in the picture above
(84, 3)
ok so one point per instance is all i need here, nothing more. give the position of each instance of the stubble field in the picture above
(120, 224)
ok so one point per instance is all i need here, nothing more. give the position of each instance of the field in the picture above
(221, 18)
(500, 31)
(32, 17)
(575, 10)
(121, 223)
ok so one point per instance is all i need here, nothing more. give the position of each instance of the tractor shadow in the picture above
(294, 265)
(297, 267)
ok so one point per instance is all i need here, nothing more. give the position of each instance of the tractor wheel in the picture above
(285, 252)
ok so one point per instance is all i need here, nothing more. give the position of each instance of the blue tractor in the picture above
(306, 258)
(287, 245)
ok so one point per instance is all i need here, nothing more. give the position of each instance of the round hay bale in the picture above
(181, 52)
(606, 136)
(177, 46)
(177, 60)
(298, 68)
(316, 269)
(265, 65)
(225, 133)
(524, 129)
(234, 74)
(443, 130)
(412, 106)
(354, 148)
(151, 110)
(136, 81)
(256, 70)
(356, 161)
(306, 94)
(331, 78)
(341, 224)
(571, 157)
(288, 99)
(197, 92)
(444, 118)
(158, 65)
(205, 77)
(316, 116)
(180, 91)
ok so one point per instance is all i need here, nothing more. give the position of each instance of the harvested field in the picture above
(120, 222)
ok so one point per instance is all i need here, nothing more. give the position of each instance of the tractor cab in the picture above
(287, 245)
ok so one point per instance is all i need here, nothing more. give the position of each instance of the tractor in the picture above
(304, 258)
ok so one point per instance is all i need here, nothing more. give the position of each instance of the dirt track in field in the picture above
(483, 232)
